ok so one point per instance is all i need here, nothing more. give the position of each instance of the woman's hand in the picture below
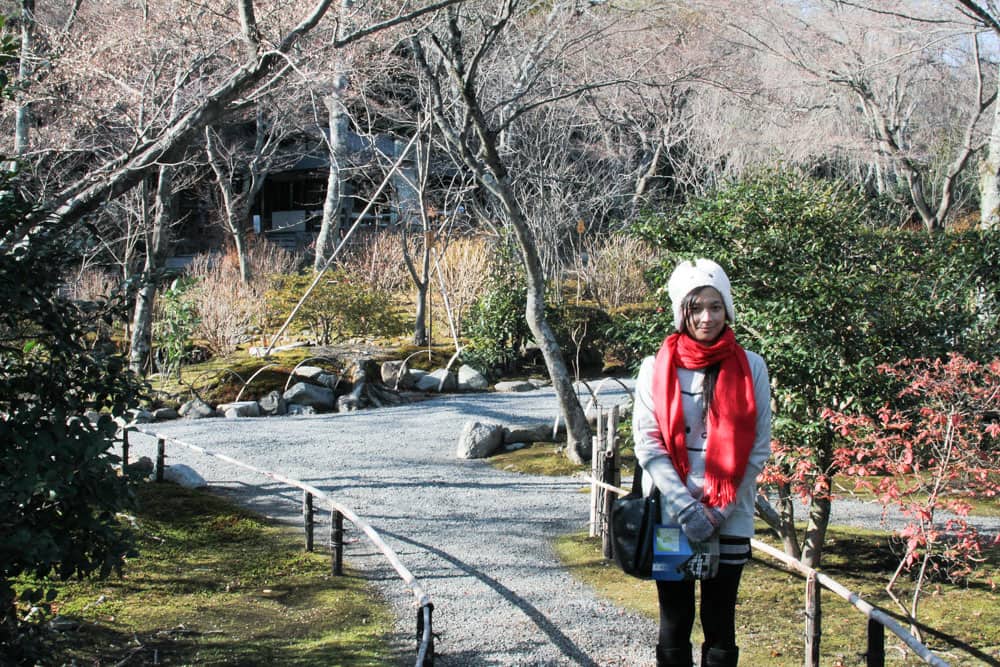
(698, 521)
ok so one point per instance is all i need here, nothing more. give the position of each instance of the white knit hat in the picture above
(699, 273)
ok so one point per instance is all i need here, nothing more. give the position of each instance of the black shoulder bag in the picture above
(633, 522)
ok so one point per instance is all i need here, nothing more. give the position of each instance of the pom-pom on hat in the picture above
(700, 273)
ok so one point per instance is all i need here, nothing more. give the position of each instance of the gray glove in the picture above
(695, 523)
(716, 517)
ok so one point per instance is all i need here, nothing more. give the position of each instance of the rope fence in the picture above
(425, 636)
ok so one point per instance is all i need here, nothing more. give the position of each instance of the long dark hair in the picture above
(711, 372)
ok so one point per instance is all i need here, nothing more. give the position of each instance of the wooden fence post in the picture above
(307, 519)
(875, 655)
(596, 453)
(124, 449)
(813, 621)
(161, 456)
(337, 541)
(610, 474)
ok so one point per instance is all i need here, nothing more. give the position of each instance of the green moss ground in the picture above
(215, 585)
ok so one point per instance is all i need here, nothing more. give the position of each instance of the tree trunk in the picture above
(819, 509)
(22, 117)
(786, 529)
(242, 251)
(989, 176)
(156, 245)
(337, 120)
(326, 241)
(411, 215)
(142, 322)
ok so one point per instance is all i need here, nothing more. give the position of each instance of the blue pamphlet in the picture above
(675, 558)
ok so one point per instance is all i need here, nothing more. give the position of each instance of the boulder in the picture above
(514, 385)
(139, 416)
(533, 432)
(328, 380)
(309, 372)
(183, 475)
(389, 372)
(469, 379)
(164, 414)
(196, 409)
(239, 409)
(302, 393)
(273, 404)
(479, 440)
(294, 409)
(349, 403)
(143, 467)
(439, 380)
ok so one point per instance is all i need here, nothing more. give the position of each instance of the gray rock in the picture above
(273, 404)
(309, 372)
(538, 383)
(185, 476)
(479, 439)
(164, 414)
(196, 409)
(469, 379)
(537, 432)
(144, 466)
(514, 385)
(348, 403)
(328, 380)
(302, 393)
(296, 409)
(139, 416)
(514, 446)
(240, 409)
(390, 371)
(433, 381)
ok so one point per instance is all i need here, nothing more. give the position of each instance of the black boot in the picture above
(673, 657)
(719, 657)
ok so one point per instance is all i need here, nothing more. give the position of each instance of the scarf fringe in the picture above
(719, 492)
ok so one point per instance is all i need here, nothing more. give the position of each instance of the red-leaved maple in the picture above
(926, 456)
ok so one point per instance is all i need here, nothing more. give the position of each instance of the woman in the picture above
(702, 428)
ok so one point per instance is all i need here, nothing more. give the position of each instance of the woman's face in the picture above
(707, 316)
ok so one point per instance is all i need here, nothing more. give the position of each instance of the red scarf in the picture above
(732, 417)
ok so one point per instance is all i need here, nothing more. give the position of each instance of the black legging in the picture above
(718, 609)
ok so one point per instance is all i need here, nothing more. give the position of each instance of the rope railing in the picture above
(425, 636)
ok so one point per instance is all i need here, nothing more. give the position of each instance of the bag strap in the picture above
(637, 480)
(637, 483)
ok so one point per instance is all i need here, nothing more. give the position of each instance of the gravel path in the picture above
(477, 538)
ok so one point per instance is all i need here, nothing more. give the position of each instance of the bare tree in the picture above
(987, 16)
(891, 66)
(485, 67)
(124, 170)
(241, 167)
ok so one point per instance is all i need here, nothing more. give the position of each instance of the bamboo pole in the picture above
(866, 608)
(813, 620)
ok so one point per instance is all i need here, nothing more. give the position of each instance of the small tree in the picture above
(928, 455)
(339, 306)
(59, 489)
